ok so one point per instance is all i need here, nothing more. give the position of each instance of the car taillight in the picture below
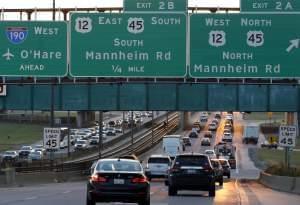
(174, 169)
(139, 180)
(97, 178)
(207, 168)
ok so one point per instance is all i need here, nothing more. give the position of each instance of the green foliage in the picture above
(13, 135)
(281, 170)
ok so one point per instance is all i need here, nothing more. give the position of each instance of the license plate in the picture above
(191, 171)
(118, 181)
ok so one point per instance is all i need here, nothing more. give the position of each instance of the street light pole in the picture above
(53, 10)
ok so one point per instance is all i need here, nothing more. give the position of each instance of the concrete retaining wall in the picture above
(280, 183)
(24, 179)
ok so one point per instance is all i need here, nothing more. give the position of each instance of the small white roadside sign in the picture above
(287, 136)
(51, 138)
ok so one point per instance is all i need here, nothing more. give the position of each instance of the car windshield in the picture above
(35, 153)
(215, 164)
(126, 166)
(9, 153)
(223, 162)
(81, 142)
(209, 152)
(159, 160)
(191, 161)
(26, 148)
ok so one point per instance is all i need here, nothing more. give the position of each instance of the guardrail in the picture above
(140, 145)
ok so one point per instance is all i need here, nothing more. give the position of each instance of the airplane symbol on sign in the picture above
(8, 55)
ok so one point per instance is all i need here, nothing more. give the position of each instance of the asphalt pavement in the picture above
(241, 189)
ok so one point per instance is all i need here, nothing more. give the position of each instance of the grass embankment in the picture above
(271, 156)
(263, 116)
(19, 134)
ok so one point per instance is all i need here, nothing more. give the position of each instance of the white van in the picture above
(173, 145)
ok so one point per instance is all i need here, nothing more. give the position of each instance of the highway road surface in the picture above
(241, 189)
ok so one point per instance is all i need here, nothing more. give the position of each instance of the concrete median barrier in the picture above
(280, 183)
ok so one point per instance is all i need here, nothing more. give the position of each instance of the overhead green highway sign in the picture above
(244, 45)
(128, 45)
(270, 5)
(155, 5)
(33, 48)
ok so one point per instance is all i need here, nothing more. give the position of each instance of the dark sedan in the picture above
(218, 170)
(226, 167)
(191, 171)
(118, 180)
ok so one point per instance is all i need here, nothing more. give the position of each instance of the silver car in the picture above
(157, 166)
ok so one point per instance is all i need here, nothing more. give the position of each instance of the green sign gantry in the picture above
(155, 5)
(128, 45)
(244, 45)
(270, 5)
(33, 48)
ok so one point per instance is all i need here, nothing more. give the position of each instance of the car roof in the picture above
(158, 156)
(117, 159)
(172, 136)
(191, 154)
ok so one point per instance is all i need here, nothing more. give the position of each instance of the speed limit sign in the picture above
(287, 136)
(51, 138)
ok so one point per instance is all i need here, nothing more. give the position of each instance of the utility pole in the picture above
(290, 121)
(100, 126)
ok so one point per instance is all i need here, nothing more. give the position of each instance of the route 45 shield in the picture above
(16, 35)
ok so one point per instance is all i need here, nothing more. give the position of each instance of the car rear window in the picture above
(191, 161)
(223, 162)
(214, 163)
(159, 160)
(126, 166)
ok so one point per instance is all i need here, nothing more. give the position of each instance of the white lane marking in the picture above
(66, 192)
(31, 198)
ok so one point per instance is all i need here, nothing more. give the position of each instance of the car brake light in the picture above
(207, 168)
(139, 180)
(97, 178)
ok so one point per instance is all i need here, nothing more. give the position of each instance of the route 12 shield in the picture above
(16, 35)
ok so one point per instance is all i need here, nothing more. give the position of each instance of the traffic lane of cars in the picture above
(251, 192)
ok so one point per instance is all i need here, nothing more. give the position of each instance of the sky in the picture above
(9, 4)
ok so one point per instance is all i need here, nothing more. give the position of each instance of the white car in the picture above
(35, 155)
(210, 153)
(10, 156)
(81, 144)
(227, 137)
(157, 166)
(212, 127)
(40, 148)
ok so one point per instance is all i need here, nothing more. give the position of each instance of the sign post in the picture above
(244, 46)
(33, 49)
(128, 45)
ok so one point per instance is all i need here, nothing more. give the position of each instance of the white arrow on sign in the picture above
(294, 44)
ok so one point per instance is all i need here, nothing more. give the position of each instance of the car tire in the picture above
(149, 179)
(212, 191)
(221, 182)
(228, 176)
(172, 191)
(146, 201)
(90, 201)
